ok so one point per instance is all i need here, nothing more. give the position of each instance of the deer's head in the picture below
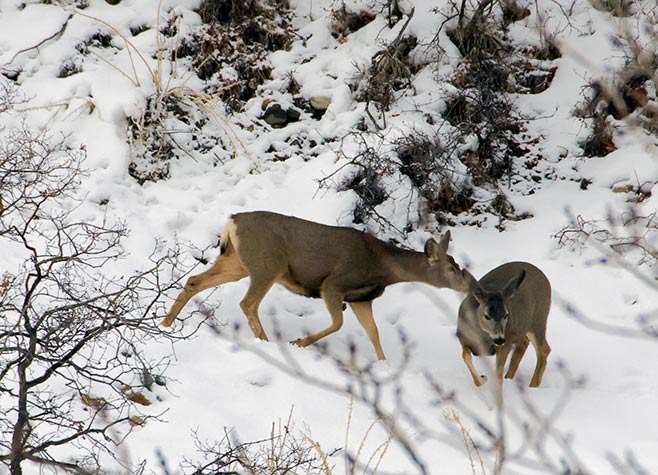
(443, 271)
(493, 307)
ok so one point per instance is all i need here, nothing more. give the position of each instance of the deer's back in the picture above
(305, 253)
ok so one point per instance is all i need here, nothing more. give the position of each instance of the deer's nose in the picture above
(499, 341)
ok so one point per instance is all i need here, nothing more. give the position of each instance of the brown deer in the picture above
(337, 264)
(506, 309)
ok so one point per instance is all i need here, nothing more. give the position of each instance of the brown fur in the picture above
(528, 309)
(337, 264)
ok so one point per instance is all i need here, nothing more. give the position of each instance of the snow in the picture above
(222, 382)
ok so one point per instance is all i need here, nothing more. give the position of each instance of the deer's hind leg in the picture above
(543, 350)
(227, 268)
(258, 288)
(519, 350)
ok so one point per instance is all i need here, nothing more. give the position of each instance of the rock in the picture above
(293, 115)
(275, 115)
(278, 117)
(319, 105)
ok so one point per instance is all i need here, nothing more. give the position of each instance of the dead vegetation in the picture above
(618, 8)
(630, 94)
(345, 21)
(599, 142)
(629, 235)
(229, 53)
(366, 182)
(428, 164)
(391, 70)
(480, 106)
(486, 134)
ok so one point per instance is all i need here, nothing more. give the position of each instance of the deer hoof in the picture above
(166, 322)
(299, 342)
(481, 381)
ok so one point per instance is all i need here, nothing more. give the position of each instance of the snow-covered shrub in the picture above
(390, 71)
(428, 163)
(345, 21)
(366, 181)
(281, 452)
(479, 106)
(631, 235)
(74, 372)
(459, 161)
(230, 50)
(629, 93)
(599, 142)
(228, 53)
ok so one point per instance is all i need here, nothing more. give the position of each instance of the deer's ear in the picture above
(478, 292)
(513, 285)
(445, 242)
(435, 250)
(432, 249)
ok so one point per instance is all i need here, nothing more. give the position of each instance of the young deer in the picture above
(507, 308)
(337, 264)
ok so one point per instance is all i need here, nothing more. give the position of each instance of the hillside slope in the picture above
(171, 155)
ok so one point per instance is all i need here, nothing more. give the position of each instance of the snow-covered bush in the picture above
(73, 372)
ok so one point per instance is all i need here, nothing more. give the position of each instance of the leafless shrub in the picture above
(32, 170)
(599, 142)
(630, 235)
(472, 36)
(423, 165)
(344, 21)
(282, 452)
(480, 106)
(430, 166)
(630, 94)
(391, 70)
(8, 95)
(68, 323)
(367, 183)
(618, 8)
(230, 50)
(152, 136)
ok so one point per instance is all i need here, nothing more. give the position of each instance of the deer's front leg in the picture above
(334, 302)
(467, 356)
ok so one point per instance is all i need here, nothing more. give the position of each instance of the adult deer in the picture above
(506, 309)
(337, 264)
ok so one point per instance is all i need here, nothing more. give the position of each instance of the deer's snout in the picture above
(499, 341)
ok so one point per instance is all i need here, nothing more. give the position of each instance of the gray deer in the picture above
(506, 309)
(337, 264)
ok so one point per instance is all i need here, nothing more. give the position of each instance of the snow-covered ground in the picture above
(600, 390)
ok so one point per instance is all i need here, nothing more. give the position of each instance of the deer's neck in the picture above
(407, 266)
